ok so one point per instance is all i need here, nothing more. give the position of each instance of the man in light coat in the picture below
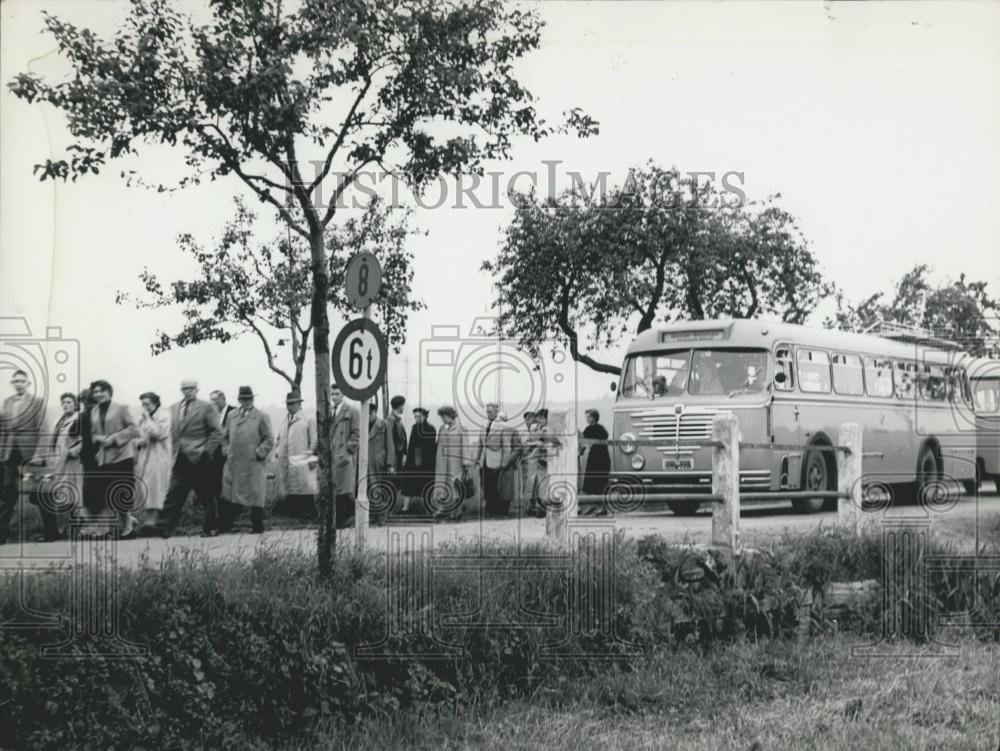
(247, 444)
(296, 458)
(344, 441)
(498, 454)
(195, 436)
(20, 425)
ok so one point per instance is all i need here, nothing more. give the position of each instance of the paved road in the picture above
(759, 525)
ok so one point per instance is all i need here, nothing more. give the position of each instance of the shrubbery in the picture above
(247, 652)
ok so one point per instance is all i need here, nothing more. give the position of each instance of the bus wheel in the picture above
(970, 486)
(927, 473)
(684, 508)
(815, 476)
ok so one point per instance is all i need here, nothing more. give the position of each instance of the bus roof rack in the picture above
(902, 332)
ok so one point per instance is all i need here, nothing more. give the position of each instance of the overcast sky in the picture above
(878, 124)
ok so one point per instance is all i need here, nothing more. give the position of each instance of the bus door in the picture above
(784, 413)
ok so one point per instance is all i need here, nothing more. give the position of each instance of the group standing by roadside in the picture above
(108, 469)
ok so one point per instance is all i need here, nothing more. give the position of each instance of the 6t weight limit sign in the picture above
(359, 359)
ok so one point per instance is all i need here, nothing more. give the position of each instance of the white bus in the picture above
(984, 375)
(789, 386)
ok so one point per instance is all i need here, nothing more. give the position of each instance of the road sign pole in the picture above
(361, 512)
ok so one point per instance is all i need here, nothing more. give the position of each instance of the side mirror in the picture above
(780, 378)
(614, 385)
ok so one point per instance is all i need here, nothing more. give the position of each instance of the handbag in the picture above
(465, 486)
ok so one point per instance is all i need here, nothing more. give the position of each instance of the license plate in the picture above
(678, 464)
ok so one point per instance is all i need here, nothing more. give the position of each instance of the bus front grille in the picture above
(669, 429)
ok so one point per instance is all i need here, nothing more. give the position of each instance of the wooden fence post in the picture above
(849, 511)
(726, 482)
(561, 487)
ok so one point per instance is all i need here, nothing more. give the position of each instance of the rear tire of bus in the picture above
(928, 473)
(684, 508)
(816, 475)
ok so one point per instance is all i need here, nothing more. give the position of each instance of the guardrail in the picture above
(725, 496)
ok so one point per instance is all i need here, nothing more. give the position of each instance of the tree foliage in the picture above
(590, 270)
(960, 309)
(263, 289)
(261, 89)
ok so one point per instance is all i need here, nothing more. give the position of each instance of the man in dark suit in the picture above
(20, 425)
(196, 436)
(398, 431)
(222, 409)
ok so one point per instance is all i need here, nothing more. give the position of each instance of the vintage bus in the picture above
(984, 377)
(789, 386)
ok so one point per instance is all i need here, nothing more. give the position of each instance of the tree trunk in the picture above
(321, 349)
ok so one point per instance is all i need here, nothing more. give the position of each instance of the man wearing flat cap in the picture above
(195, 436)
(247, 444)
(296, 458)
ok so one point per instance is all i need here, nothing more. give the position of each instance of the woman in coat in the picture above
(247, 445)
(63, 491)
(453, 463)
(597, 465)
(421, 455)
(154, 456)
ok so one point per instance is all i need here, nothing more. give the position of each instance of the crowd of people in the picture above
(108, 470)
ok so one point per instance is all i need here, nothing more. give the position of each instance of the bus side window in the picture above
(814, 371)
(878, 377)
(904, 372)
(784, 379)
(933, 386)
(847, 376)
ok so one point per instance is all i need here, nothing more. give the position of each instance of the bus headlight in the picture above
(628, 443)
(638, 461)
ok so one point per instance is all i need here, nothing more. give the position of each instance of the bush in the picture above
(247, 653)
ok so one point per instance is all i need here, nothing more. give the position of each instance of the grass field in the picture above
(774, 695)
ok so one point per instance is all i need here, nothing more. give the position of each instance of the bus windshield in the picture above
(700, 372)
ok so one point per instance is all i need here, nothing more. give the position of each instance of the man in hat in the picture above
(196, 434)
(498, 455)
(296, 458)
(247, 444)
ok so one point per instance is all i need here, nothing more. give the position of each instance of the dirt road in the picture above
(759, 527)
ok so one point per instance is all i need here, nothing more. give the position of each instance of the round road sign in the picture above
(359, 359)
(363, 279)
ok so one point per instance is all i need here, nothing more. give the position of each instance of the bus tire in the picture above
(970, 486)
(684, 508)
(816, 475)
(928, 472)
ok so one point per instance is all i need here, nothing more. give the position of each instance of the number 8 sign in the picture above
(362, 279)
(359, 359)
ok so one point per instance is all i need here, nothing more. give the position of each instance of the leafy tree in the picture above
(261, 89)
(961, 309)
(660, 247)
(263, 289)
